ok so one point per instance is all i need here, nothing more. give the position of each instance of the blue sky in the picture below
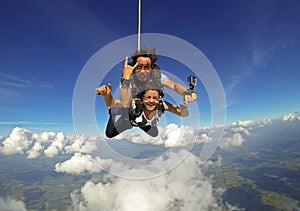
(254, 47)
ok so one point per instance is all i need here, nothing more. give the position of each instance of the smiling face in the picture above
(151, 99)
(143, 68)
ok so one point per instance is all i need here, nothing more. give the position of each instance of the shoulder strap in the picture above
(160, 108)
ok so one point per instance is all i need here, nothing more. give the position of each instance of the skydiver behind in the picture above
(136, 77)
(142, 69)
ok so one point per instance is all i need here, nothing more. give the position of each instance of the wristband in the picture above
(188, 92)
(125, 83)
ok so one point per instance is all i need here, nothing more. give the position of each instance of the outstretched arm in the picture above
(180, 89)
(105, 91)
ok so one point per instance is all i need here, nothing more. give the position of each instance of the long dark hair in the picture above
(145, 52)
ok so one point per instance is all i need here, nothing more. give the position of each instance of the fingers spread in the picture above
(126, 61)
(136, 64)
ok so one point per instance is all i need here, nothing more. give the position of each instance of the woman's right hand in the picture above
(104, 90)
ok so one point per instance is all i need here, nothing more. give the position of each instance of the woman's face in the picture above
(151, 99)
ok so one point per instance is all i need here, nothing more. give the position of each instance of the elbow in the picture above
(183, 110)
(185, 113)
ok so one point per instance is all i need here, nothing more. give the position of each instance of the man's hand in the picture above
(127, 69)
(189, 96)
(104, 90)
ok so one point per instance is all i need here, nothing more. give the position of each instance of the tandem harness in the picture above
(138, 88)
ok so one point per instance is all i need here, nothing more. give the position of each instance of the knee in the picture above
(110, 134)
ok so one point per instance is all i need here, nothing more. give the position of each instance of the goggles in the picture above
(143, 67)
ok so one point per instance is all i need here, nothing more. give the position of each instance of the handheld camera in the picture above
(192, 81)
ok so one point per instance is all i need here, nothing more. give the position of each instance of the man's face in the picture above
(151, 99)
(143, 68)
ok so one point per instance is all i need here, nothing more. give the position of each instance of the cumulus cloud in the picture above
(23, 141)
(80, 163)
(245, 123)
(234, 141)
(35, 150)
(18, 141)
(50, 144)
(237, 133)
(81, 144)
(171, 181)
(203, 138)
(44, 137)
(56, 146)
(291, 117)
(11, 204)
(183, 188)
(171, 136)
(241, 130)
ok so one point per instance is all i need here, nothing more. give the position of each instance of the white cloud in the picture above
(235, 140)
(80, 163)
(170, 136)
(183, 188)
(170, 181)
(264, 122)
(291, 117)
(238, 132)
(56, 146)
(244, 123)
(18, 141)
(241, 130)
(35, 150)
(44, 137)
(81, 144)
(11, 204)
(21, 140)
(203, 138)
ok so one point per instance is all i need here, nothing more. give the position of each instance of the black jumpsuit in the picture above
(126, 121)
